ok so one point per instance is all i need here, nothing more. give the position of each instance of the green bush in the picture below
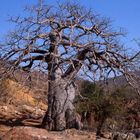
(106, 106)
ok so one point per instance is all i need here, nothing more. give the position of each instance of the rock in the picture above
(32, 133)
(136, 133)
(107, 135)
(22, 114)
(33, 112)
(27, 133)
(123, 136)
(4, 129)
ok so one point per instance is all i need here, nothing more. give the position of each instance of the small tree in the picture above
(99, 103)
(63, 41)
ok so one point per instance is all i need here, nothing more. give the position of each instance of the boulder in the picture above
(123, 136)
(26, 133)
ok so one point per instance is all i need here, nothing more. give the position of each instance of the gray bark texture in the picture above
(61, 112)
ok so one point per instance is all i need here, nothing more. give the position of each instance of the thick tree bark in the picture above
(61, 112)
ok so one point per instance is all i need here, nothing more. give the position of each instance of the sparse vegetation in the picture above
(109, 111)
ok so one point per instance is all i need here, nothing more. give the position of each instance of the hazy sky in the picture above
(124, 13)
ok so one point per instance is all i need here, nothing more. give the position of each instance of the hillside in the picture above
(19, 105)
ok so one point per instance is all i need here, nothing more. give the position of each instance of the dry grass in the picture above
(18, 94)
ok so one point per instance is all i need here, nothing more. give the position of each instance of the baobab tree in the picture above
(64, 41)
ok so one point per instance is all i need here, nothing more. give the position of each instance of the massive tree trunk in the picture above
(61, 112)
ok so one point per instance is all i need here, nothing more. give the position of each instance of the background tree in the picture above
(114, 110)
(102, 105)
(64, 41)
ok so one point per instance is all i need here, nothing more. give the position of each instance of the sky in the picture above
(123, 13)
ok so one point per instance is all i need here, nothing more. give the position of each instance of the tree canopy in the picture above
(77, 37)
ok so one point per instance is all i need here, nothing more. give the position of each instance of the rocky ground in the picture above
(31, 133)
(21, 113)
